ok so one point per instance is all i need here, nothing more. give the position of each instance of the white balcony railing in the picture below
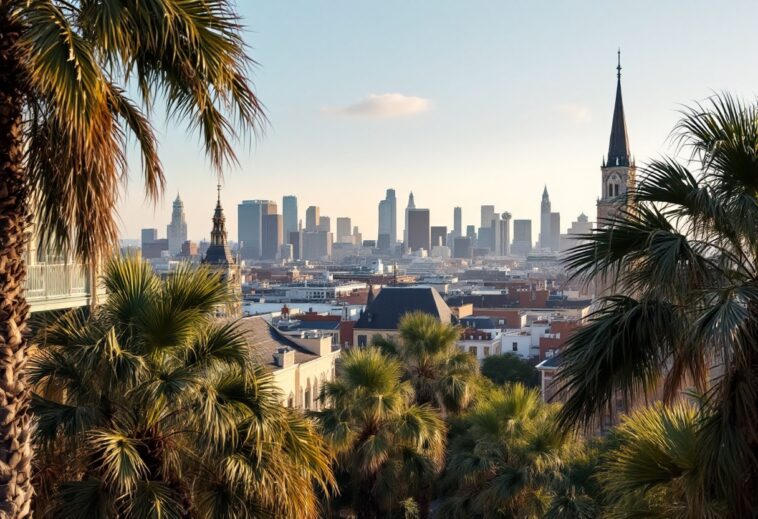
(55, 286)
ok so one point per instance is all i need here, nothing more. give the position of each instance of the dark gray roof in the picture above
(265, 341)
(551, 363)
(618, 147)
(478, 322)
(392, 303)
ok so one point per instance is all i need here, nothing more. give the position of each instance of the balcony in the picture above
(57, 286)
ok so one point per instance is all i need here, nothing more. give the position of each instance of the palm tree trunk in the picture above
(15, 418)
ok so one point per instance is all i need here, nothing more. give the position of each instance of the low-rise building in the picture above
(480, 343)
(382, 316)
(301, 364)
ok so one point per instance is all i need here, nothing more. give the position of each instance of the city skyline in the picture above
(533, 107)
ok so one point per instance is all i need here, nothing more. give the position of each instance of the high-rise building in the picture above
(148, 236)
(522, 237)
(324, 224)
(289, 215)
(618, 172)
(488, 214)
(411, 205)
(501, 235)
(418, 229)
(250, 215)
(579, 228)
(457, 222)
(462, 248)
(471, 233)
(312, 218)
(176, 231)
(555, 232)
(388, 219)
(344, 233)
(545, 236)
(317, 245)
(271, 235)
(439, 236)
(296, 240)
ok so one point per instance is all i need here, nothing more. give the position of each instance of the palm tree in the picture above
(508, 459)
(65, 116)
(681, 263)
(389, 448)
(654, 468)
(150, 407)
(441, 374)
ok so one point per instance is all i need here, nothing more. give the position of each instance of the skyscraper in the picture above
(439, 236)
(148, 236)
(457, 222)
(176, 231)
(618, 172)
(250, 215)
(324, 224)
(312, 218)
(289, 215)
(501, 235)
(418, 229)
(522, 237)
(555, 232)
(271, 235)
(344, 233)
(545, 236)
(411, 205)
(388, 219)
(488, 214)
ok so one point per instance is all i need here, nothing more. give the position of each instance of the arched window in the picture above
(610, 190)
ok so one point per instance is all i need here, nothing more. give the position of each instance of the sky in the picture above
(465, 103)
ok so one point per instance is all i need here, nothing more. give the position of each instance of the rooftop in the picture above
(266, 341)
(392, 303)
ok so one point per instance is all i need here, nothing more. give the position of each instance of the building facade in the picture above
(312, 218)
(250, 215)
(418, 229)
(522, 237)
(176, 231)
(545, 236)
(388, 220)
(271, 236)
(289, 215)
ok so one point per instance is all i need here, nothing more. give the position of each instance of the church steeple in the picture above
(618, 147)
(218, 251)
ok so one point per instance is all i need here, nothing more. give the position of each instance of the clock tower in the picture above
(618, 171)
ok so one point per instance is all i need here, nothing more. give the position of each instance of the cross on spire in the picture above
(618, 67)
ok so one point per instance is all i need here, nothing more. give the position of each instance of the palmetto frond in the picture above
(165, 420)
(683, 259)
(80, 59)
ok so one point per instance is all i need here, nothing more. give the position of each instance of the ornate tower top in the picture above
(218, 251)
(411, 202)
(618, 147)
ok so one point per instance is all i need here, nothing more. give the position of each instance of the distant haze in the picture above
(464, 103)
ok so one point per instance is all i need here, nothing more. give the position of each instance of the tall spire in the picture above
(411, 202)
(218, 252)
(618, 147)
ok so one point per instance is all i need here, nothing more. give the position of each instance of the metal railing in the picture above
(53, 286)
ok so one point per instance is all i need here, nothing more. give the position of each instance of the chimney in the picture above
(284, 357)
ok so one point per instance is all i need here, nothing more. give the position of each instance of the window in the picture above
(501, 322)
(291, 401)
(362, 340)
(514, 346)
(472, 350)
(486, 351)
(307, 403)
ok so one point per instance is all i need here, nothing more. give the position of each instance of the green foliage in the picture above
(682, 308)
(150, 407)
(510, 368)
(507, 458)
(440, 373)
(655, 467)
(388, 448)
(79, 62)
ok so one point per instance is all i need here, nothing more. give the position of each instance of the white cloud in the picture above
(575, 113)
(383, 106)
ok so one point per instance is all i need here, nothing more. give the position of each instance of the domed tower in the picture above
(618, 171)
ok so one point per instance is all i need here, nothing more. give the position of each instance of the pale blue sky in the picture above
(511, 96)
